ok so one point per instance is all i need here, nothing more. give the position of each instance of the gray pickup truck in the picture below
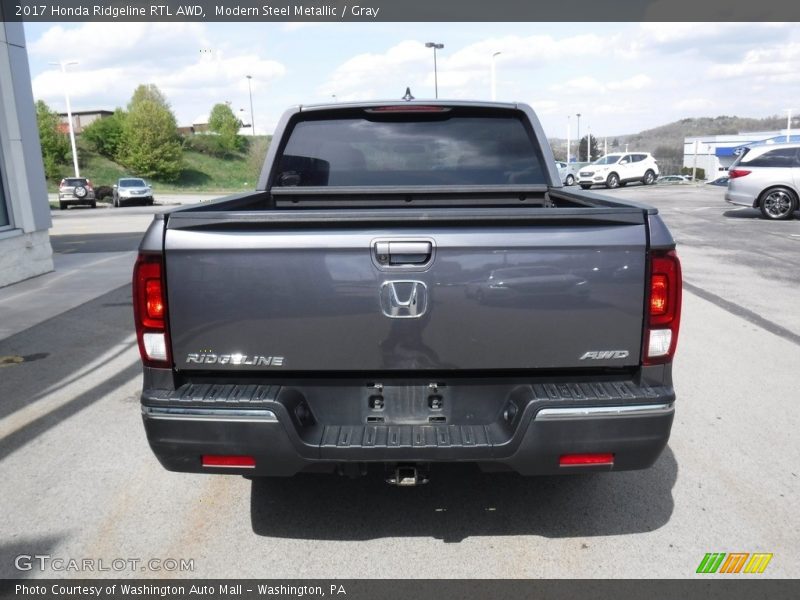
(409, 284)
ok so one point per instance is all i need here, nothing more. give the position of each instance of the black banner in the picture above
(401, 10)
(713, 587)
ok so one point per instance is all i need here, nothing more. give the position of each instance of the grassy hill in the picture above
(201, 172)
(672, 134)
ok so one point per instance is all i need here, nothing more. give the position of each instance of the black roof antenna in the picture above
(408, 95)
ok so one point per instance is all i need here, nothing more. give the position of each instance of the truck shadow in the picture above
(461, 502)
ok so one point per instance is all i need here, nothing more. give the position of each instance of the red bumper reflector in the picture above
(579, 460)
(226, 460)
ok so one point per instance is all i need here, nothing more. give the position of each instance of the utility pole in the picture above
(578, 152)
(252, 118)
(788, 124)
(694, 165)
(589, 145)
(64, 66)
(568, 123)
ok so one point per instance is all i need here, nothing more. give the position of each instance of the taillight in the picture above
(150, 310)
(61, 185)
(734, 173)
(89, 184)
(664, 308)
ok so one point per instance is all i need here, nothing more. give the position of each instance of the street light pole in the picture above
(788, 124)
(252, 118)
(494, 76)
(568, 124)
(435, 47)
(589, 145)
(578, 152)
(64, 66)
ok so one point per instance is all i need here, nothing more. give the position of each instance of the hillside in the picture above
(201, 172)
(672, 135)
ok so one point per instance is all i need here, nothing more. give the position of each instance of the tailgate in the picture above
(295, 294)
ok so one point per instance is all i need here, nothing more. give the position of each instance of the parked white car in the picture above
(567, 172)
(614, 170)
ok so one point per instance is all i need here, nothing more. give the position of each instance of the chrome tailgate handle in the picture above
(403, 252)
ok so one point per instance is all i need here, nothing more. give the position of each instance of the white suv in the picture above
(614, 170)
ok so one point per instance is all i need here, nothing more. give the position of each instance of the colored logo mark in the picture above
(734, 562)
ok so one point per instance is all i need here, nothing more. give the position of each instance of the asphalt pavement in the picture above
(79, 480)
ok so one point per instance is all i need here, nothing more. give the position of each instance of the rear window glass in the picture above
(780, 157)
(403, 151)
(73, 181)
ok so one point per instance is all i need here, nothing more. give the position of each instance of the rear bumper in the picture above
(528, 429)
(740, 199)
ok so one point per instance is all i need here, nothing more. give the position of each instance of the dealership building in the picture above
(24, 209)
(715, 153)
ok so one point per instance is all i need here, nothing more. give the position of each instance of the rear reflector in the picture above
(582, 460)
(228, 460)
(734, 173)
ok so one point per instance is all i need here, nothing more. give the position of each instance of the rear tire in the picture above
(778, 204)
(649, 178)
(585, 187)
(612, 181)
(93, 205)
(63, 205)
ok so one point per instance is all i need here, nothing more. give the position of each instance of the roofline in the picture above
(87, 112)
(399, 102)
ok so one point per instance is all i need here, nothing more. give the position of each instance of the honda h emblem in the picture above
(404, 299)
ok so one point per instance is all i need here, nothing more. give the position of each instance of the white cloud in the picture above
(587, 84)
(465, 72)
(775, 64)
(165, 54)
(694, 105)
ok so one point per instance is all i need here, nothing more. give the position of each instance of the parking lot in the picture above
(80, 482)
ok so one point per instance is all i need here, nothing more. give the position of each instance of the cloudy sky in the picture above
(622, 78)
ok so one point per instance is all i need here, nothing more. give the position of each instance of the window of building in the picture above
(4, 221)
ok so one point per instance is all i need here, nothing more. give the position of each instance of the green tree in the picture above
(256, 153)
(581, 156)
(106, 134)
(54, 142)
(224, 123)
(615, 143)
(150, 145)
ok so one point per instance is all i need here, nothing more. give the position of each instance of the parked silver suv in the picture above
(73, 191)
(766, 177)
